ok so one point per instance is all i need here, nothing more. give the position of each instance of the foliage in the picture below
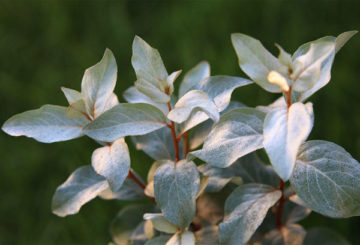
(262, 207)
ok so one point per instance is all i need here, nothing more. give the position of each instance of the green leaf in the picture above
(245, 209)
(158, 144)
(133, 95)
(238, 133)
(327, 179)
(192, 101)
(98, 84)
(284, 131)
(160, 223)
(147, 62)
(255, 60)
(185, 238)
(219, 89)
(176, 188)
(292, 234)
(47, 124)
(82, 186)
(124, 120)
(316, 236)
(129, 191)
(193, 77)
(308, 66)
(112, 162)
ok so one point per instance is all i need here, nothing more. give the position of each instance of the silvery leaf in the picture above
(238, 133)
(112, 162)
(124, 120)
(160, 223)
(82, 186)
(245, 209)
(327, 179)
(185, 238)
(47, 124)
(129, 191)
(71, 95)
(193, 77)
(176, 188)
(255, 60)
(284, 131)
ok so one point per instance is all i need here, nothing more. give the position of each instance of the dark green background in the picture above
(47, 44)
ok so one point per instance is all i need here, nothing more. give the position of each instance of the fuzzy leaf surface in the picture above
(193, 77)
(327, 179)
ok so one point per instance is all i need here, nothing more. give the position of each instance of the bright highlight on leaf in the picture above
(276, 78)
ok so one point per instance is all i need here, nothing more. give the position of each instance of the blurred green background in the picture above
(45, 44)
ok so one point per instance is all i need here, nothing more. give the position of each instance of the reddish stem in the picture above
(279, 210)
(173, 134)
(288, 97)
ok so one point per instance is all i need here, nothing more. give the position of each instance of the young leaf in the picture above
(186, 238)
(133, 95)
(343, 38)
(193, 77)
(112, 162)
(219, 89)
(238, 133)
(327, 179)
(129, 191)
(124, 120)
(153, 92)
(71, 95)
(255, 60)
(147, 62)
(82, 186)
(176, 188)
(47, 124)
(292, 234)
(316, 236)
(98, 84)
(193, 101)
(308, 66)
(285, 129)
(245, 209)
(157, 144)
(160, 223)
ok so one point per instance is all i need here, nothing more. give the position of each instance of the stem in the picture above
(288, 97)
(279, 210)
(173, 134)
(186, 147)
(132, 176)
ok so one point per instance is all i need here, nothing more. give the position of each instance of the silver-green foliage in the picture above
(170, 127)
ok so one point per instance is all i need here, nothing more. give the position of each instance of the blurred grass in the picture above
(48, 44)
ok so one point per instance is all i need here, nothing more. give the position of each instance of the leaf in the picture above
(98, 84)
(284, 131)
(132, 95)
(176, 188)
(153, 92)
(255, 60)
(186, 238)
(71, 95)
(316, 236)
(47, 124)
(280, 102)
(245, 209)
(293, 213)
(238, 133)
(160, 240)
(327, 179)
(129, 191)
(112, 162)
(147, 62)
(343, 38)
(201, 131)
(219, 89)
(157, 144)
(76, 109)
(171, 79)
(160, 223)
(284, 57)
(138, 235)
(124, 120)
(292, 234)
(82, 186)
(308, 66)
(190, 102)
(193, 77)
